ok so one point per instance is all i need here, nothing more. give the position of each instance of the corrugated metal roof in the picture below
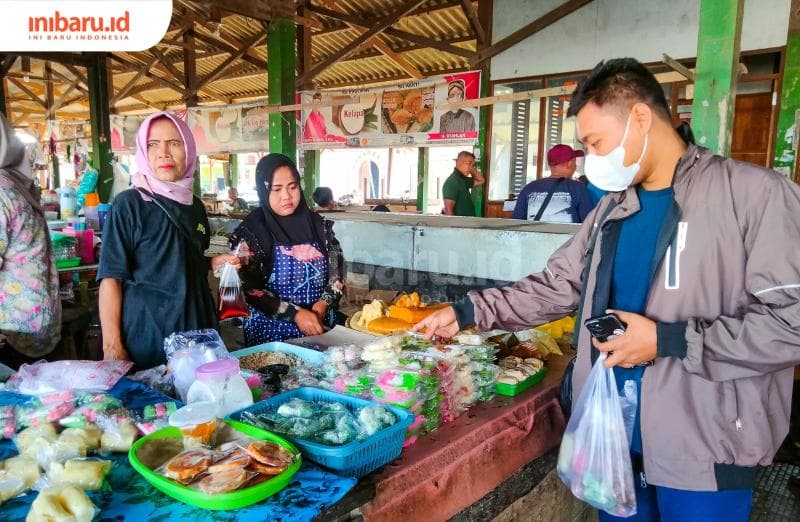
(246, 77)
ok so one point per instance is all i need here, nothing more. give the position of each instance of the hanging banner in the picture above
(64, 132)
(229, 129)
(123, 132)
(399, 115)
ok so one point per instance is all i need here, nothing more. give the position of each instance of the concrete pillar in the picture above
(786, 142)
(281, 38)
(716, 75)
(423, 179)
(97, 76)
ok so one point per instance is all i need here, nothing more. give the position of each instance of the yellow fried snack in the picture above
(85, 474)
(24, 468)
(370, 312)
(11, 486)
(26, 437)
(119, 439)
(401, 117)
(61, 503)
(90, 435)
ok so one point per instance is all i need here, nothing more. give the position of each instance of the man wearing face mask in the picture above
(697, 254)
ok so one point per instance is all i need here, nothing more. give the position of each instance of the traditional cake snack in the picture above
(186, 466)
(269, 453)
(238, 459)
(223, 481)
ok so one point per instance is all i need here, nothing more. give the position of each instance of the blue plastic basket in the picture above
(311, 356)
(354, 459)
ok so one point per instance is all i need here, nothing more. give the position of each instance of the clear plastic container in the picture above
(220, 382)
(197, 422)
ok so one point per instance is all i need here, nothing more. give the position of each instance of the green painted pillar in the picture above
(233, 162)
(310, 174)
(423, 179)
(197, 188)
(101, 124)
(479, 193)
(281, 63)
(786, 141)
(56, 174)
(719, 33)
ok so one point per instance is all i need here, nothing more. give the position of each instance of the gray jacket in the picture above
(724, 293)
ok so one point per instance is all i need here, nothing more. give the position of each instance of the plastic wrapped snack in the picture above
(223, 481)
(187, 465)
(375, 418)
(11, 486)
(186, 351)
(61, 503)
(25, 438)
(87, 474)
(118, 434)
(8, 421)
(42, 378)
(89, 436)
(296, 408)
(22, 467)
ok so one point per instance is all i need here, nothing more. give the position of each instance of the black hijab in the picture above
(263, 228)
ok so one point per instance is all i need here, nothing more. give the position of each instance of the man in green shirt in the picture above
(456, 190)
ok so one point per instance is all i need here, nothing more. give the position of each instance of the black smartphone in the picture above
(604, 326)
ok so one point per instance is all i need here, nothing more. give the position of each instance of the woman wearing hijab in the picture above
(294, 280)
(30, 309)
(152, 266)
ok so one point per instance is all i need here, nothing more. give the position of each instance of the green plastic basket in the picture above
(223, 501)
(512, 390)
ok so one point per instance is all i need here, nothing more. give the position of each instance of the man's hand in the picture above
(636, 346)
(308, 322)
(442, 323)
(478, 177)
(321, 309)
(114, 351)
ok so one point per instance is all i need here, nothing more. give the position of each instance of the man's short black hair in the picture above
(620, 82)
(464, 153)
(322, 196)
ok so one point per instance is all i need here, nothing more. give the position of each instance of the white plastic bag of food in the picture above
(594, 460)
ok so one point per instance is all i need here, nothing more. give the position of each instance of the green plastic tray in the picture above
(512, 390)
(70, 262)
(223, 501)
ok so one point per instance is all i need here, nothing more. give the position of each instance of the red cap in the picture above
(561, 154)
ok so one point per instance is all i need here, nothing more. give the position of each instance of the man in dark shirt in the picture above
(559, 198)
(456, 189)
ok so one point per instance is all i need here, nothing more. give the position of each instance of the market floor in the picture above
(773, 501)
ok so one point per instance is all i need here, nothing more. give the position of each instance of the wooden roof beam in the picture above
(472, 17)
(418, 39)
(232, 46)
(24, 88)
(7, 63)
(422, 10)
(255, 40)
(532, 28)
(380, 25)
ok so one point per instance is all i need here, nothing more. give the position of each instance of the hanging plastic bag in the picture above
(594, 460)
(231, 296)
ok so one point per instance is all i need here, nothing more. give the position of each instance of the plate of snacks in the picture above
(240, 466)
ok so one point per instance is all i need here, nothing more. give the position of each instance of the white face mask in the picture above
(609, 172)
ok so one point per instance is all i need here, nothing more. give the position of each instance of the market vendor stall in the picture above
(127, 496)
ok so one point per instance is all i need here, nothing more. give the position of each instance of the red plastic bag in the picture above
(231, 297)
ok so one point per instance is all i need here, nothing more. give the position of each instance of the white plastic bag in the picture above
(594, 460)
(41, 377)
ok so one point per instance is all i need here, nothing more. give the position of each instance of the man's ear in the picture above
(642, 117)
